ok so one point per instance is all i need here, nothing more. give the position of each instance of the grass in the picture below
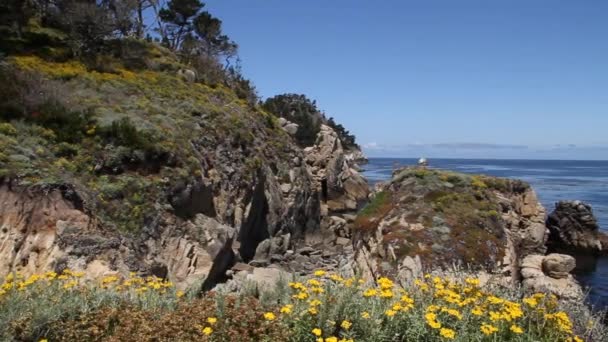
(379, 206)
(326, 307)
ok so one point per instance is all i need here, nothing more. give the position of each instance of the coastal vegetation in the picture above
(131, 141)
(325, 307)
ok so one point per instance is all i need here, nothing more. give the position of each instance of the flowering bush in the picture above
(324, 308)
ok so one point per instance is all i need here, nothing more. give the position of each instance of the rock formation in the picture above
(550, 274)
(426, 219)
(574, 229)
(446, 217)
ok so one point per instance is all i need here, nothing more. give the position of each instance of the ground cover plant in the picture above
(326, 307)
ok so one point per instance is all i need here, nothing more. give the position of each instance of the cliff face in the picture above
(155, 175)
(427, 218)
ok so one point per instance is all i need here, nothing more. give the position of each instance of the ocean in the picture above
(553, 181)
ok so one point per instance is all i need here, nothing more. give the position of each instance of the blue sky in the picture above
(452, 78)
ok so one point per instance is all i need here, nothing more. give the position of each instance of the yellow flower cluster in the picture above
(56, 70)
(443, 308)
(139, 284)
(69, 279)
(17, 281)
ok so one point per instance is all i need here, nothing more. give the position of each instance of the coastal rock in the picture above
(558, 266)
(443, 217)
(573, 229)
(536, 280)
(334, 170)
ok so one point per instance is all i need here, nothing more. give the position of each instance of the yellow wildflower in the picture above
(301, 295)
(336, 277)
(212, 320)
(495, 300)
(385, 283)
(207, 331)
(346, 325)
(386, 294)
(488, 329)
(315, 302)
(495, 316)
(287, 309)
(70, 284)
(179, 294)
(370, 293)
(447, 333)
(365, 315)
(269, 316)
(472, 281)
(317, 289)
(530, 301)
(313, 310)
(317, 332)
(331, 339)
(319, 273)
(477, 311)
(431, 320)
(516, 329)
(390, 313)
(314, 282)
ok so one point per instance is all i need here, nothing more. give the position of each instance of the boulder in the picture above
(536, 279)
(291, 128)
(558, 266)
(187, 75)
(573, 229)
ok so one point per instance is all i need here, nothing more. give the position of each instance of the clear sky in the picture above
(451, 78)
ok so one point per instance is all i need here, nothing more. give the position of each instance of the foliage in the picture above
(347, 139)
(300, 110)
(327, 307)
(379, 206)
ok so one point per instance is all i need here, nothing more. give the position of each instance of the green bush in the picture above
(7, 129)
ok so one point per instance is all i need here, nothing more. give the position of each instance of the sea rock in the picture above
(573, 229)
(536, 280)
(558, 266)
(443, 217)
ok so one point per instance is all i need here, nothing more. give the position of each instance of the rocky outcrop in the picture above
(33, 228)
(206, 226)
(574, 229)
(335, 173)
(550, 274)
(424, 219)
(287, 126)
(523, 217)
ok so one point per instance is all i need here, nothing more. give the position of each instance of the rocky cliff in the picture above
(425, 219)
(141, 170)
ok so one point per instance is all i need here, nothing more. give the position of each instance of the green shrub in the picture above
(7, 129)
